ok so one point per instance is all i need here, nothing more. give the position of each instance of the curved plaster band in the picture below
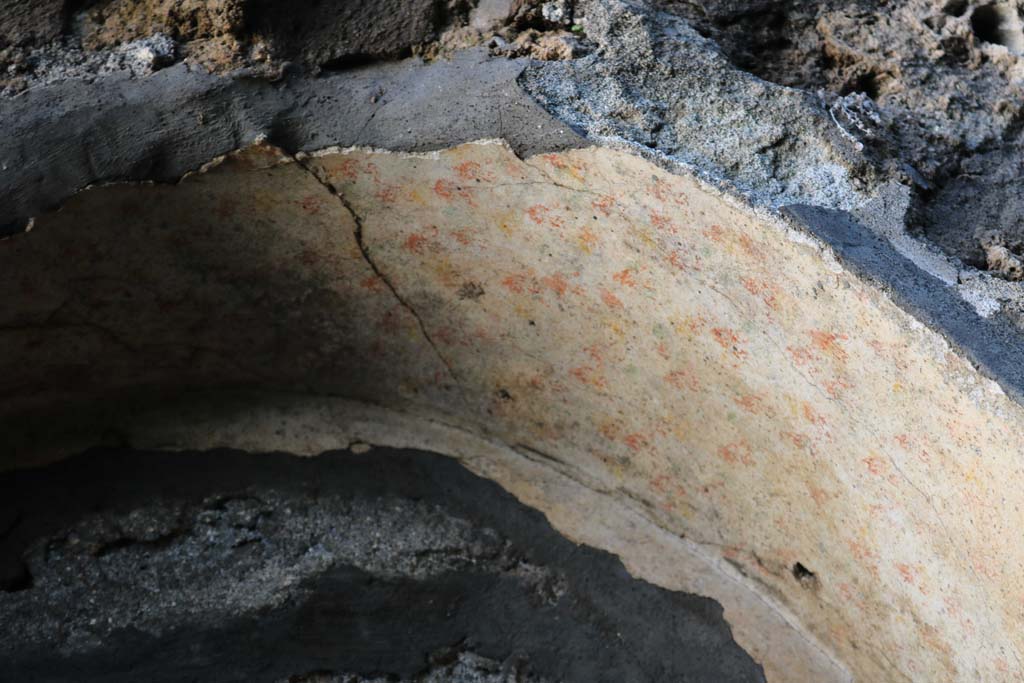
(634, 329)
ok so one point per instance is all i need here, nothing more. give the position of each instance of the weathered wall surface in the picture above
(589, 309)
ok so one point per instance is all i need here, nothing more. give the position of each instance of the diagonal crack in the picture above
(365, 251)
(551, 180)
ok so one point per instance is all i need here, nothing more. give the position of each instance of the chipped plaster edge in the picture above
(800, 232)
(310, 425)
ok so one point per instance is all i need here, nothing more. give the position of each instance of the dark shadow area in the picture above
(994, 24)
(225, 566)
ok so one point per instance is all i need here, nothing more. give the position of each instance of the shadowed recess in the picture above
(390, 563)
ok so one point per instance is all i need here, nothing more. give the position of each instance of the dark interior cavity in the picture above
(398, 566)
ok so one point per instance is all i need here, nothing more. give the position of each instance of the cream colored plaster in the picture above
(633, 329)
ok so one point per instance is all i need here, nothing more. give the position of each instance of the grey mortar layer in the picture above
(650, 85)
(657, 87)
(63, 137)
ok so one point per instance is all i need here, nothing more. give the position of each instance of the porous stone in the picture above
(23, 22)
(609, 328)
(323, 33)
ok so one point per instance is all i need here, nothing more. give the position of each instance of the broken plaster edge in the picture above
(309, 425)
(985, 293)
(719, 188)
(936, 319)
(979, 289)
(940, 338)
(897, 246)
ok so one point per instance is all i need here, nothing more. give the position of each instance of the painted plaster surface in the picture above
(760, 399)
(631, 327)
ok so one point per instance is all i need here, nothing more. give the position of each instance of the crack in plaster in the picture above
(552, 181)
(52, 321)
(624, 496)
(365, 252)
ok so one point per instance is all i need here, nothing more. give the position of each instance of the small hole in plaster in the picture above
(804, 575)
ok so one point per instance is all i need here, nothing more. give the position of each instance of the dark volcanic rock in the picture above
(23, 22)
(340, 33)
